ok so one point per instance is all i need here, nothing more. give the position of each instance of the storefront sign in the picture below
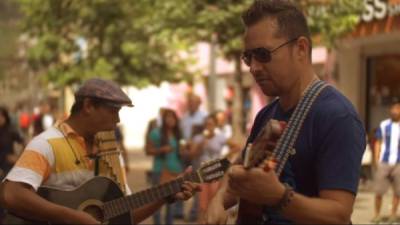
(380, 9)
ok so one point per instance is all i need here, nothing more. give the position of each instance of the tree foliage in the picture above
(120, 40)
(141, 42)
(9, 36)
(328, 19)
(331, 20)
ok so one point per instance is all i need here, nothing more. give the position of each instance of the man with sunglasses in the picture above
(323, 174)
(62, 158)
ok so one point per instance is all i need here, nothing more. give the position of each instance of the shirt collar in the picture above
(66, 128)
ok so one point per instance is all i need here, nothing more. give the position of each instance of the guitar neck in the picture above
(125, 204)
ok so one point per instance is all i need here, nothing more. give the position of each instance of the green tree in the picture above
(114, 39)
(333, 19)
(216, 21)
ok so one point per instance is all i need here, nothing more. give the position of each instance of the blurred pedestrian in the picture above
(193, 119)
(207, 146)
(163, 144)
(24, 121)
(387, 159)
(366, 165)
(43, 120)
(192, 124)
(225, 128)
(9, 135)
(152, 124)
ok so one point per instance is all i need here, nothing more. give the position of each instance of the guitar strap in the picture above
(286, 142)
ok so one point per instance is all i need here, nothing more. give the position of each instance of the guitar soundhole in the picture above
(95, 211)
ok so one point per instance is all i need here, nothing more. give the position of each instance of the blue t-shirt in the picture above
(329, 147)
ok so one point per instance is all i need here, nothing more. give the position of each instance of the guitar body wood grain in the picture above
(88, 197)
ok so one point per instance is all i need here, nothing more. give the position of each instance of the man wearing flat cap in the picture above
(60, 158)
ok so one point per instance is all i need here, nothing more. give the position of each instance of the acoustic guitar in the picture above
(102, 198)
(258, 154)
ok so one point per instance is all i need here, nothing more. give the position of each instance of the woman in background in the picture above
(163, 144)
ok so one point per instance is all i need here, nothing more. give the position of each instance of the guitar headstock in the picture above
(213, 170)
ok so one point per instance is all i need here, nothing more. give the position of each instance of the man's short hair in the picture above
(290, 19)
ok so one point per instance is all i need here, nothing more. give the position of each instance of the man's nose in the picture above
(255, 66)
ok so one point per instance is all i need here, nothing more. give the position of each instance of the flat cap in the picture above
(104, 89)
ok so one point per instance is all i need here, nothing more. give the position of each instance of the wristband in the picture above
(285, 200)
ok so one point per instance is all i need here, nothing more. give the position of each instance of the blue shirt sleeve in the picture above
(340, 152)
(155, 137)
(378, 133)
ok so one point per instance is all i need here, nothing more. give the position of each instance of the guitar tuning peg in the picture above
(271, 164)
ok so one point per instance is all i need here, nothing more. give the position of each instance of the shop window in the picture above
(383, 87)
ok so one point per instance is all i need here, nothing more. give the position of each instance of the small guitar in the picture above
(104, 200)
(257, 155)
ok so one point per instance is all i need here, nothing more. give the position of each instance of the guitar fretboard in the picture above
(122, 205)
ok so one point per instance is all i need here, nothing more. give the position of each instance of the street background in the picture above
(160, 57)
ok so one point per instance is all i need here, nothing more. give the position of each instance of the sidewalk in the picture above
(363, 208)
(139, 163)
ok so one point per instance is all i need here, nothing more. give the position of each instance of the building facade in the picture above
(369, 62)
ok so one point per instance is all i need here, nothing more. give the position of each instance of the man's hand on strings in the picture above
(255, 185)
(189, 189)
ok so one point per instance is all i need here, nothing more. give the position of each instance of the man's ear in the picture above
(88, 106)
(303, 50)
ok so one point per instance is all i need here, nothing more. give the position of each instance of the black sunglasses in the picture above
(261, 54)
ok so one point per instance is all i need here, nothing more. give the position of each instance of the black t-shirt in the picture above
(329, 147)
